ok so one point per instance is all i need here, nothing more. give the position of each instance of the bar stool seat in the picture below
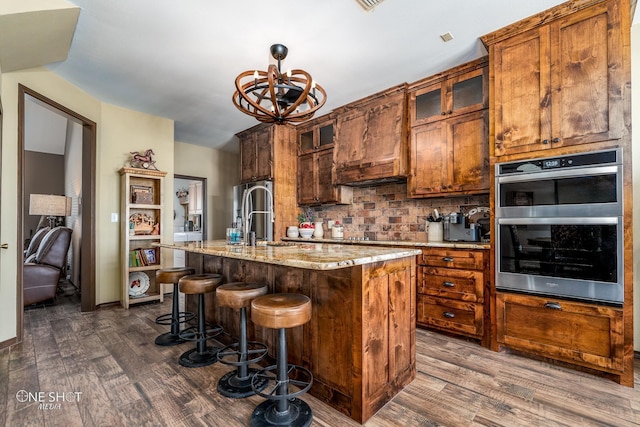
(201, 355)
(237, 383)
(176, 317)
(282, 407)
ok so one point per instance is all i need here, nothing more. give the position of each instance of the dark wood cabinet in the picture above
(584, 334)
(371, 138)
(558, 84)
(315, 165)
(449, 146)
(461, 90)
(450, 156)
(451, 294)
(262, 147)
(316, 134)
(256, 154)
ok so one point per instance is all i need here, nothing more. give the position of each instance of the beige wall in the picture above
(123, 131)
(119, 131)
(221, 169)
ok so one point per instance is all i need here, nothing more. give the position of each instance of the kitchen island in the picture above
(360, 342)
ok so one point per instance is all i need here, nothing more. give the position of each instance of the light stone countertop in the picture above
(388, 243)
(303, 254)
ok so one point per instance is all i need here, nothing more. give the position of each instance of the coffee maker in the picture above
(458, 229)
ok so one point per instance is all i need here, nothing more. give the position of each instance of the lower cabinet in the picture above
(451, 294)
(583, 334)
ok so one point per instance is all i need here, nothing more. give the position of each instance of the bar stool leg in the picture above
(282, 410)
(201, 355)
(174, 319)
(282, 407)
(237, 384)
(175, 325)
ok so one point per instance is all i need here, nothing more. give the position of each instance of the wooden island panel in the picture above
(360, 342)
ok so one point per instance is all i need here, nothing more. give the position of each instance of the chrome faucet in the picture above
(246, 215)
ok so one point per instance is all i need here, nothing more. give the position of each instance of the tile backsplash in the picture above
(384, 212)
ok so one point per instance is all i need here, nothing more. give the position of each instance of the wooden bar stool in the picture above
(237, 383)
(201, 355)
(176, 317)
(282, 311)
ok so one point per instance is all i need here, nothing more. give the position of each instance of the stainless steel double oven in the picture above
(559, 228)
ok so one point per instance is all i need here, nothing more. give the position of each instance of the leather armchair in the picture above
(41, 271)
(34, 243)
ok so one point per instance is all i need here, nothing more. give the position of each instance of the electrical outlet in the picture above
(114, 217)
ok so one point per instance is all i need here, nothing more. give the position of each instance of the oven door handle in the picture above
(609, 220)
(553, 306)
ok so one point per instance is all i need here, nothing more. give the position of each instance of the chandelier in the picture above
(272, 96)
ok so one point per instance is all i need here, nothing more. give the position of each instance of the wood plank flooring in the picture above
(102, 369)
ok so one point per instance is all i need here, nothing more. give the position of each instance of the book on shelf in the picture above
(142, 257)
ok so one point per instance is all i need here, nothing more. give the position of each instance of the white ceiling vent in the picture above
(368, 5)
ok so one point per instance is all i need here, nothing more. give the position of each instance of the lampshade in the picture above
(49, 204)
(271, 96)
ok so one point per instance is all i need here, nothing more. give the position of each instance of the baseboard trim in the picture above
(8, 343)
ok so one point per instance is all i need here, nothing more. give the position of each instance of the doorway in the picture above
(190, 213)
(83, 201)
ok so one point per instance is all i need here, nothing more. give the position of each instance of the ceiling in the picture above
(180, 59)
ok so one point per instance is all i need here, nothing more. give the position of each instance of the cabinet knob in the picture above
(545, 141)
(556, 139)
(448, 315)
(443, 113)
(450, 111)
(448, 284)
(447, 259)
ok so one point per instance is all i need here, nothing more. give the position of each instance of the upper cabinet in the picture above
(449, 94)
(371, 138)
(262, 147)
(316, 134)
(558, 84)
(195, 198)
(315, 164)
(449, 145)
(256, 154)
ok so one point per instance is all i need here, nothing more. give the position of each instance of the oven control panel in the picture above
(599, 158)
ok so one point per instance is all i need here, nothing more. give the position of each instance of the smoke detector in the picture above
(368, 5)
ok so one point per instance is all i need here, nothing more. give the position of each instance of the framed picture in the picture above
(150, 255)
(141, 194)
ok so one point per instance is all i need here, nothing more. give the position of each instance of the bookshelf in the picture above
(141, 213)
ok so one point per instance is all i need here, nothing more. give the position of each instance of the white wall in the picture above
(119, 132)
(222, 171)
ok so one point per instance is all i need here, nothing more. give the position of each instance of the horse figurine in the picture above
(145, 161)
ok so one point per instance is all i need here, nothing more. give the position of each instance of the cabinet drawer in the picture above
(465, 285)
(453, 316)
(584, 334)
(452, 258)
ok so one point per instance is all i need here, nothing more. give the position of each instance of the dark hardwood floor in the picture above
(102, 369)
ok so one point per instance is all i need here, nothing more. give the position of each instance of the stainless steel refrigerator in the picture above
(258, 201)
